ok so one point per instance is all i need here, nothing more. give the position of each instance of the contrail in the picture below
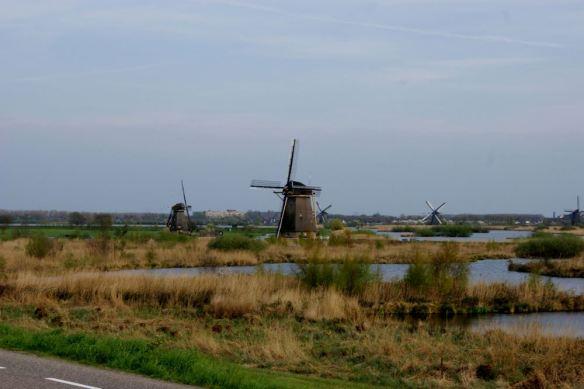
(82, 74)
(390, 27)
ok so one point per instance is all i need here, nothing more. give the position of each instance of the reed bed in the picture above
(74, 255)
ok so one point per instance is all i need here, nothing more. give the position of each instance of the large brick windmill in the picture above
(179, 219)
(298, 201)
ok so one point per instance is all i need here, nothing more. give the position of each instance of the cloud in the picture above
(390, 27)
(49, 77)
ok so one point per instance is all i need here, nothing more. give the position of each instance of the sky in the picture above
(106, 105)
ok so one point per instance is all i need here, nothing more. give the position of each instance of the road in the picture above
(25, 371)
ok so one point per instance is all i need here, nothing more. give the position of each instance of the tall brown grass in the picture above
(274, 321)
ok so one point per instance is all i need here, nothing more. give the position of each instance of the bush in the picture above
(345, 238)
(232, 242)
(419, 277)
(39, 246)
(353, 275)
(444, 276)
(449, 230)
(350, 277)
(315, 273)
(547, 246)
(336, 225)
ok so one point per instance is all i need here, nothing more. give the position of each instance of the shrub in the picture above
(419, 277)
(444, 276)
(353, 275)
(336, 225)
(344, 238)
(100, 245)
(39, 246)
(548, 246)
(350, 277)
(316, 273)
(231, 242)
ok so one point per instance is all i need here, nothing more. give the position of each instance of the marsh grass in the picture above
(113, 254)
(275, 322)
(235, 242)
(547, 246)
(568, 268)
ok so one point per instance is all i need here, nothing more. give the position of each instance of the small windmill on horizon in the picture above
(574, 215)
(434, 217)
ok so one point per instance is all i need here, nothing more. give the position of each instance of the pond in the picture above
(487, 270)
(491, 236)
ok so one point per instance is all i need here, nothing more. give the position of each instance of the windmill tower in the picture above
(575, 215)
(179, 219)
(433, 218)
(298, 201)
(322, 216)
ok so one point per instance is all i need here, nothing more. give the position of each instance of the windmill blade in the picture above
(327, 208)
(186, 204)
(293, 161)
(430, 205)
(279, 230)
(266, 184)
(578, 202)
(427, 217)
(441, 205)
(438, 219)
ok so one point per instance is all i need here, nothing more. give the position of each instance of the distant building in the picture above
(224, 214)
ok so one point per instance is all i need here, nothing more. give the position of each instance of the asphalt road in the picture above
(25, 371)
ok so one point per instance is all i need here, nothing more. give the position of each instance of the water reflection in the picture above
(570, 324)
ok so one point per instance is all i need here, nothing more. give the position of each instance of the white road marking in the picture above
(72, 383)
(2, 367)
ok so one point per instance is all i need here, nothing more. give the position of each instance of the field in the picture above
(323, 328)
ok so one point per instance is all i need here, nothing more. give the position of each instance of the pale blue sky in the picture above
(106, 105)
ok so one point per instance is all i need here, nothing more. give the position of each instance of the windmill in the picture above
(322, 216)
(179, 219)
(574, 214)
(433, 217)
(298, 209)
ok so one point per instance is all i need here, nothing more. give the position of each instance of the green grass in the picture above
(148, 358)
(66, 231)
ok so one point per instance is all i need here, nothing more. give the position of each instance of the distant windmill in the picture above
(322, 216)
(575, 215)
(433, 217)
(298, 208)
(179, 219)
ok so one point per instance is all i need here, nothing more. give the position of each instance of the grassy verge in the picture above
(150, 359)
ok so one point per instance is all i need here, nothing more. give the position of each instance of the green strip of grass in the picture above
(157, 361)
